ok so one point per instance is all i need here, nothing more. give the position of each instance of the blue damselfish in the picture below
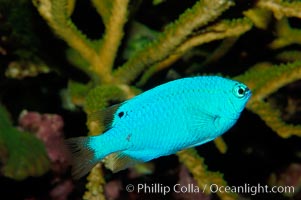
(168, 118)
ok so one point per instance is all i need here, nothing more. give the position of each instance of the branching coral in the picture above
(198, 25)
(100, 54)
(174, 35)
(175, 39)
(217, 31)
(282, 8)
(274, 77)
(271, 79)
(204, 178)
(286, 35)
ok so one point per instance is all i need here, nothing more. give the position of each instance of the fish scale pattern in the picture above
(174, 116)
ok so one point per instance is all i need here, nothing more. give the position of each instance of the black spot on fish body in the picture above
(128, 138)
(120, 114)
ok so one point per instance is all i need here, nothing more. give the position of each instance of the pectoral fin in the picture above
(200, 119)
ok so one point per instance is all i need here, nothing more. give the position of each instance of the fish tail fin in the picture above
(83, 157)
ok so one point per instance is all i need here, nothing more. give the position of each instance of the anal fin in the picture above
(119, 161)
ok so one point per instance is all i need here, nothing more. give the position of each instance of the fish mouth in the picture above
(248, 93)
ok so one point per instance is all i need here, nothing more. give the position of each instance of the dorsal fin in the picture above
(104, 116)
(119, 161)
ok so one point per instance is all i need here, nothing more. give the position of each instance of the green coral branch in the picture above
(174, 34)
(271, 79)
(105, 9)
(56, 14)
(289, 56)
(78, 92)
(272, 117)
(259, 16)
(70, 7)
(225, 46)
(204, 178)
(282, 8)
(95, 185)
(286, 35)
(114, 24)
(221, 145)
(100, 61)
(220, 30)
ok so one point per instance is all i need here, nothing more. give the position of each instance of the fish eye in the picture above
(240, 91)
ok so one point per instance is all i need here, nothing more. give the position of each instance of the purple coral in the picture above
(186, 180)
(49, 129)
(291, 176)
(62, 190)
(113, 189)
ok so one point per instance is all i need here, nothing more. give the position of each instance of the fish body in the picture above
(168, 118)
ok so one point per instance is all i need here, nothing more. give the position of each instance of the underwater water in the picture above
(61, 61)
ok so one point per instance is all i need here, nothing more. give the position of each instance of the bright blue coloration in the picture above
(177, 115)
